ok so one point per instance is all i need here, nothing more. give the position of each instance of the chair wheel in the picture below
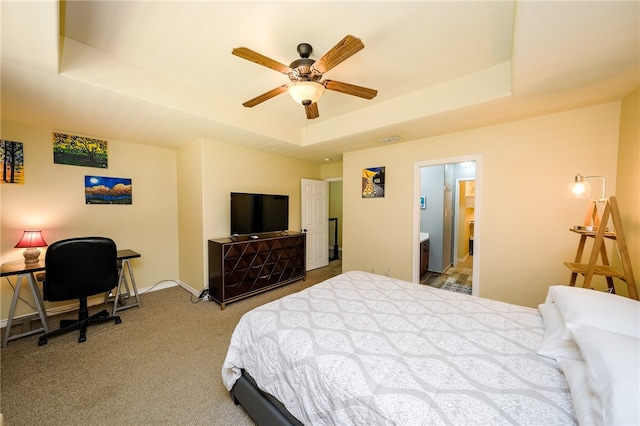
(118, 320)
(42, 341)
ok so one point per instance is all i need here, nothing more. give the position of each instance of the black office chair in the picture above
(77, 268)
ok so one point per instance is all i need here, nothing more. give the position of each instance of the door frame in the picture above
(477, 231)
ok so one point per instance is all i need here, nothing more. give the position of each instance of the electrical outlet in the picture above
(388, 272)
(373, 270)
(204, 294)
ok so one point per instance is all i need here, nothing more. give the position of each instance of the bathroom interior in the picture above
(447, 221)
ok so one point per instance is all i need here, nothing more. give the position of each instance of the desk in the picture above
(24, 270)
(124, 256)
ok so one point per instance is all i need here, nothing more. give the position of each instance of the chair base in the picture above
(84, 320)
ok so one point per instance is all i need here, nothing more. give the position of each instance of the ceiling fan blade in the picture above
(312, 111)
(259, 59)
(347, 47)
(265, 96)
(350, 89)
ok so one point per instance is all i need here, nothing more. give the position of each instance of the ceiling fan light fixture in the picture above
(306, 92)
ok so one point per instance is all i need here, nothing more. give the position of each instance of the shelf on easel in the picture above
(603, 270)
(607, 234)
(595, 227)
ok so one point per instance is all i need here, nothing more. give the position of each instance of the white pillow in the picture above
(596, 308)
(613, 372)
(586, 405)
(554, 345)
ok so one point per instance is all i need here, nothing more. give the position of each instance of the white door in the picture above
(315, 221)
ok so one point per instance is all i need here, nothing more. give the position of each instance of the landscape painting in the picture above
(12, 155)
(79, 151)
(107, 190)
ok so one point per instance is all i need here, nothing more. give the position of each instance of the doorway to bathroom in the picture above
(446, 223)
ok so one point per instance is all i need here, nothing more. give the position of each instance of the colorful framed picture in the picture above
(107, 190)
(79, 151)
(373, 182)
(12, 156)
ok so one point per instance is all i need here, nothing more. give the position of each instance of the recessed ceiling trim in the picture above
(483, 86)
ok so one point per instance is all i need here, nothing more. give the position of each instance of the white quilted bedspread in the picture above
(364, 349)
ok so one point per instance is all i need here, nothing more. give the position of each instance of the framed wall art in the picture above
(373, 182)
(107, 190)
(79, 151)
(12, 156)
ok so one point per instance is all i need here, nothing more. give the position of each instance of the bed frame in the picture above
(263, 408)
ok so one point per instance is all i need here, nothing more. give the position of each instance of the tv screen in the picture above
(258, 213)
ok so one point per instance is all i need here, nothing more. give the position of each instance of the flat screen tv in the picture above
(258, 213)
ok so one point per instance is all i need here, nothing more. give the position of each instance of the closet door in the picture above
(315, 221)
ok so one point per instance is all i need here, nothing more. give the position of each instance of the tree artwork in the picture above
(12, 154)
(79, 151)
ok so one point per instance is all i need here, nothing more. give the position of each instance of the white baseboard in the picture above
(187, 288)
(99, 300)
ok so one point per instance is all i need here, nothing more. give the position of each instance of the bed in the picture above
(364, 349)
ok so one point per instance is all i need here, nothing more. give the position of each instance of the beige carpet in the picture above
(160, 366)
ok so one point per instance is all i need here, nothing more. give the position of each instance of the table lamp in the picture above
(580, 188)
(31, 240)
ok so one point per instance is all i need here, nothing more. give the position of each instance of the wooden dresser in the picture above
(241, 266)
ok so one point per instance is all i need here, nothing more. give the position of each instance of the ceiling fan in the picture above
(305, 74)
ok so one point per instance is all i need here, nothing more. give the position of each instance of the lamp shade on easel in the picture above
(579, 188)
(31, 240)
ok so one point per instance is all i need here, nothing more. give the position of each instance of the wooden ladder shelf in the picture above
(596, 227)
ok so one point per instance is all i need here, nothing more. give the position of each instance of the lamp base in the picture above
(31, 255)
(585, 228)
(588, 228)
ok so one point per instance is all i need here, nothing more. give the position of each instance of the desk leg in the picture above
(12, 311)
(122, 279)
(37, 297)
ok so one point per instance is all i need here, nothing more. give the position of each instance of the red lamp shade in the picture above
(30, 240)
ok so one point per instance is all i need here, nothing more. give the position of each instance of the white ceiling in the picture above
(162, 73)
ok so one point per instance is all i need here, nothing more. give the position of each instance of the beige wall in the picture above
(226, 168)
(52, 199)
(522, 214)
(191, 215)
(331, 171)
(180, 198)
(628, 177)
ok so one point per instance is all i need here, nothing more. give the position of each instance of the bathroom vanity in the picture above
(424, 253)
